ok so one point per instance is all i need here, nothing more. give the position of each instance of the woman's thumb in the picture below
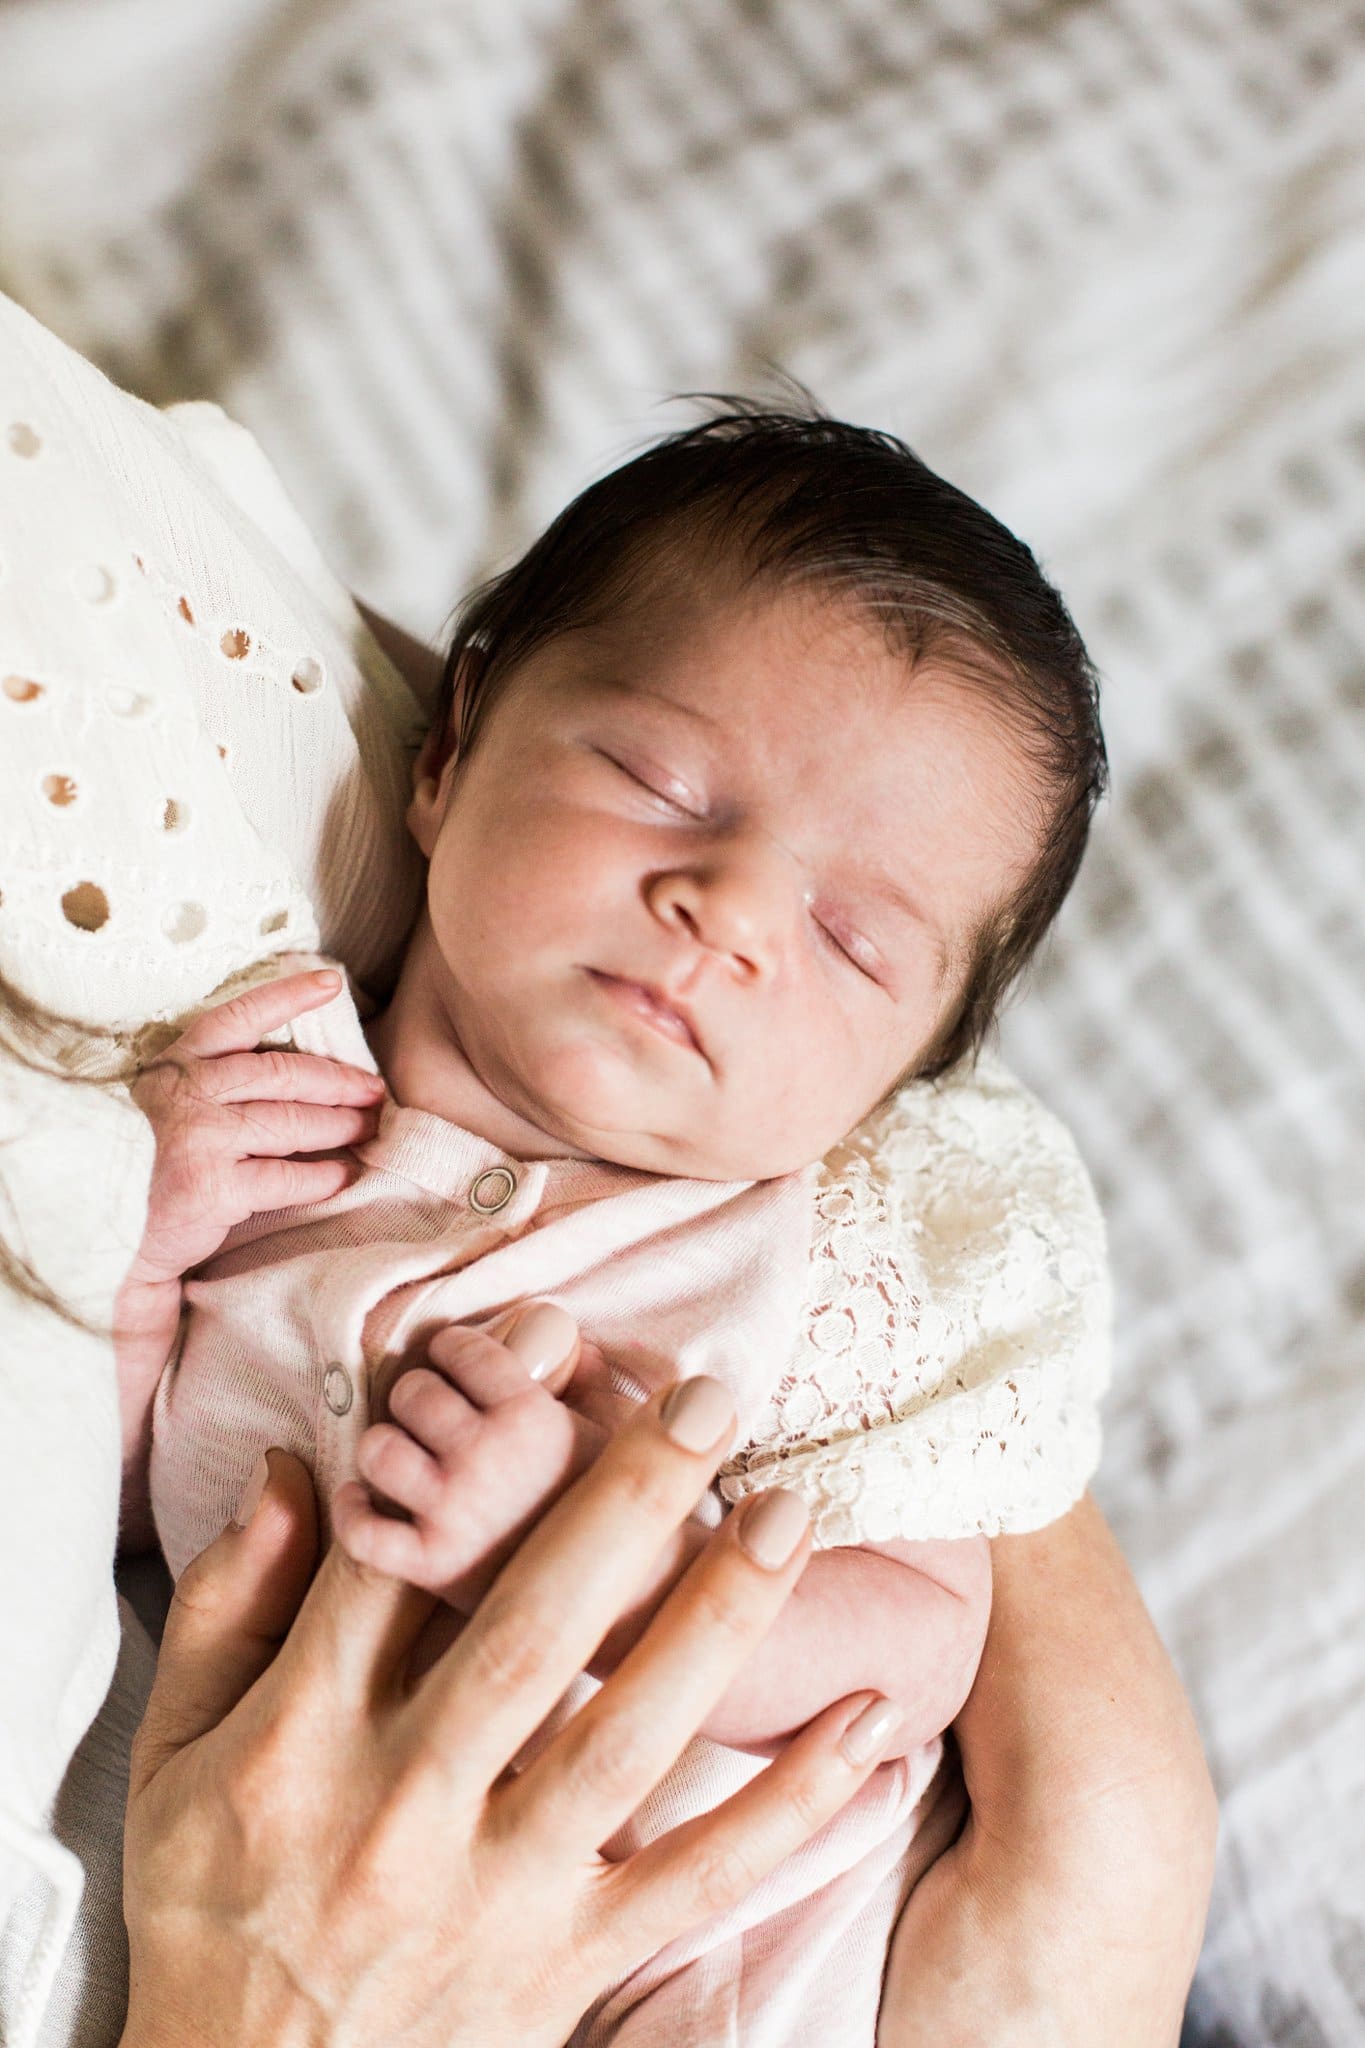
(232, 1609)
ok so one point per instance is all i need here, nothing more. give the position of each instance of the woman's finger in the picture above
(710, 1864)
(242, 1022)
(536, 1342)
(273, 1130)
(599, 1767)
(276, 1075)
(600, 1391)
(357, 1625)
(571, 1579)
(230, 1612)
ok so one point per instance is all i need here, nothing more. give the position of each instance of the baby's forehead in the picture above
(680, 614)
(802, 652)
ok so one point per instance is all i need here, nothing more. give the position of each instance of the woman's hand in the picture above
(322, 1849)
(1071, 1909)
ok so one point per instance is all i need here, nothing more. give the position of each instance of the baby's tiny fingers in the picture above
(292, 1183)
(241, 1023)
(395, 1548)
(269, 1130)
(434, 1412)
(274, 1074)
(399, 1468)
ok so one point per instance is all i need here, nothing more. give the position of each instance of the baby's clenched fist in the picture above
(474, 1454)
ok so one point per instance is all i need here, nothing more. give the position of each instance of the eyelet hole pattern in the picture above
(308, 677)
(182, 922)
(94, 584)
(60, 790)
(86, 907)
(21, 689)
(236, 643)
(126, 702)
(23, 440)
(175, 816)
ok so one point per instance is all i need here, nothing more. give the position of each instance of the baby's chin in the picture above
(589, 1099)
(626, 1134)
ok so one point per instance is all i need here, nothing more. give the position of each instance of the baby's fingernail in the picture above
(251, 1495)
(771, 1527)
(696, 1412)
(869, 1734)
(328, 978)
(542, 1337)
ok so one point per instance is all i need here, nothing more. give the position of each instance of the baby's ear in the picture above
(434, 767)
(431, 774)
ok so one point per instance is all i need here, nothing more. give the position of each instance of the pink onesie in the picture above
(289, 1324)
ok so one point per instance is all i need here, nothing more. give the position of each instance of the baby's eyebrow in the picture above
(661, 697)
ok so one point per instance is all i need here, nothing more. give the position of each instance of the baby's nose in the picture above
(738, 900)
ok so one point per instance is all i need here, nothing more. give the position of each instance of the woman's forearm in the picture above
(1076, 1697)
(1073, 1906)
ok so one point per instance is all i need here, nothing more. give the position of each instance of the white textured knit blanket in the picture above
(1105, 265)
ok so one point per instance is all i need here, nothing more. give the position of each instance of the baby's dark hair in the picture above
(755, 497)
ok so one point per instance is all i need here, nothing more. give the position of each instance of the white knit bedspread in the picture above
(1103, 263)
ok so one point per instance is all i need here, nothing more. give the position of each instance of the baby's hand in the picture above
(230, 1121)
(476, 1452)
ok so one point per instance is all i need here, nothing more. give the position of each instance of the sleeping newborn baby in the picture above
(753, 785)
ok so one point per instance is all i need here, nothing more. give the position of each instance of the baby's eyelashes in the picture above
(659, 784)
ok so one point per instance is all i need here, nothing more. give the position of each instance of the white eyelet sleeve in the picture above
(957, 1333)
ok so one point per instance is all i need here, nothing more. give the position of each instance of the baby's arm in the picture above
(477, 1450)
(904, 1619)
(227, 1119)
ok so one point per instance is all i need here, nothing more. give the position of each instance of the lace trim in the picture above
(957, 1329)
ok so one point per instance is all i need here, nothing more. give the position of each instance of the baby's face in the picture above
(709, 880)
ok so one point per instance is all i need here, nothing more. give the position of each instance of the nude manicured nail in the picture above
(696, 1412)
(542, 1337)
(251, 1495)
(771, 1527)
(869, 1734)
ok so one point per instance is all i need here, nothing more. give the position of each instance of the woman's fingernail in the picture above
(696, 1412)
(251, 1495)
(867, 1735)
(542, 1337)
(771, 1527)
